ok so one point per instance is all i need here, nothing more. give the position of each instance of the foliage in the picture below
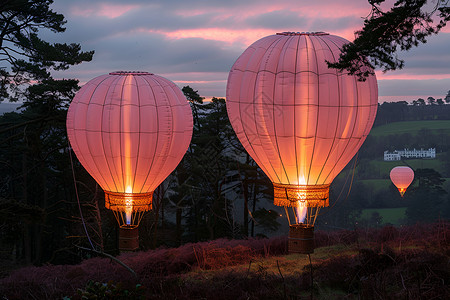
(351, 263)
(25, 54)
(109, 290)
(213, 171)
(394, 216)
(34, 158)
(407, 24)
(267, 219)
(428, 198)
(401, 111)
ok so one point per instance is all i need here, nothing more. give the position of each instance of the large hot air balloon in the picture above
(402, 177)
(299, 120)
(129, 130)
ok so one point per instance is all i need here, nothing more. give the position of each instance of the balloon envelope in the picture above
(129, 130)
(402, 177)
(299, 120)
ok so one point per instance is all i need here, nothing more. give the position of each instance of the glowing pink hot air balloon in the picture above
(129, 130)
(299, 120)
(402, 177)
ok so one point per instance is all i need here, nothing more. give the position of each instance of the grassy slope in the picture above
(393, 216)
(390, 215)
(405, 263)
(384, 167)
(412, 127)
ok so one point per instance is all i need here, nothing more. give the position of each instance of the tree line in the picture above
(418, 110)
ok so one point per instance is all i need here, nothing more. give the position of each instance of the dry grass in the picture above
(389, 263)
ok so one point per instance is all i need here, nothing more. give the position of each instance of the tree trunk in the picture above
(255, 194)
(157, 195)
(43, 205)
(98, 218)
(245, 190)
(26, 237)
(178, 222)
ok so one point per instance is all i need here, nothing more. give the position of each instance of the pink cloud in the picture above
(110, 11)
(330, 9)
(231, 36)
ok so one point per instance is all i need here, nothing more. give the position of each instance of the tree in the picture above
(23, 54)
(447, 98)
(427, 196)
(267, 219)
(195, 100)
(391, 112)
(204, 176)
(35, 165)
(431, 101)
(407, 24)
(439, 101)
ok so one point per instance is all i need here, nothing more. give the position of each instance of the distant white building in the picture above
(389, 156)
(406, 153)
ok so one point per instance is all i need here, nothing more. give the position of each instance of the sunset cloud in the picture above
(196, 42)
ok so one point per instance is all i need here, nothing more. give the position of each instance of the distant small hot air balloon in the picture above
(299, 120)
(129, 130)
(402, 177)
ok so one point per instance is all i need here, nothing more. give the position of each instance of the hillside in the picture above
(411, 127)
(405, 263)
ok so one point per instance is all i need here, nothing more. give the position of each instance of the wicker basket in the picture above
(301, 239)
(128, 238)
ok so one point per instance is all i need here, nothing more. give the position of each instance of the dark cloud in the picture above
(331, 25)
(400, 87)
(277, 20)
(154, 50)
(430, 58)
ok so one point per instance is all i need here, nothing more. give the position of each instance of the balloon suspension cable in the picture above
(315, 215)
(136, 218)
(287, 215)
(295, 215)
(345, 183)
(78, 198)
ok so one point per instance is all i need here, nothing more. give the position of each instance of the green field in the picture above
(412, 127)
(381, 184)
(383, 168)
(377, 184)
(393, 216)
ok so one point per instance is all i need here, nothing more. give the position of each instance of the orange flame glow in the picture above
(128, 206)
(301, 211)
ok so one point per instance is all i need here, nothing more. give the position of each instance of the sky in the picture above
(195, 42)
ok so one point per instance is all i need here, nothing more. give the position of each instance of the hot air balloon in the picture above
(299, 120)
(129, 130)
(402, 177)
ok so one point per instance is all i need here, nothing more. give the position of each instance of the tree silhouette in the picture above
(24, 55)
(427, 197)
(407, 24)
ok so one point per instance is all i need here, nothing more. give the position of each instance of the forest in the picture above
(217, 190)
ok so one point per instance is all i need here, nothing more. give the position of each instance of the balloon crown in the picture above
(302, 33)
(130, 73)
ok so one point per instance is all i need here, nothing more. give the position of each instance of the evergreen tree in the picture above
(33, 143)
(407, 24)
(24, 55)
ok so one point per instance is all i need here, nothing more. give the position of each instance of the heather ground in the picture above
(389, 263)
